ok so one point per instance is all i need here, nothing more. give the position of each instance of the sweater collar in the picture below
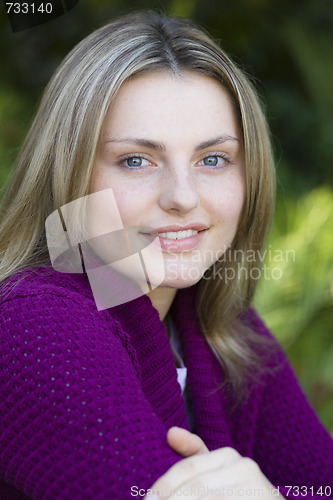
(140, 320)
(145, 335)
(158, 373)
(204, 373)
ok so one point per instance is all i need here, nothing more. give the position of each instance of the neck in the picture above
(162, 299)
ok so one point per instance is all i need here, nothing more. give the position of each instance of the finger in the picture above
(189, 468)
(185, 443)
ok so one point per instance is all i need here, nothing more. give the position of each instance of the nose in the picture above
(179, 191)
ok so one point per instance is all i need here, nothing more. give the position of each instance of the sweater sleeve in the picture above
(292, 446)
(74, 421)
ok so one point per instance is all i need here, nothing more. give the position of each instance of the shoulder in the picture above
(253, 320)
(260, 336)
(51, 312)
(42, 289)
(270, 356)
(42, 298)
(44, 301)
(41, 281)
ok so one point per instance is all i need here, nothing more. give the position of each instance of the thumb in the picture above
(185, 443)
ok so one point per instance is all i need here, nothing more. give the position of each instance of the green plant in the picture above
(298, 304)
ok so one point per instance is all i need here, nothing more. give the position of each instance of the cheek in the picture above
(134, 200)
(226, 200)
(133, 196)
(98, 180)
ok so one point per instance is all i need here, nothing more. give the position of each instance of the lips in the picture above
(180, 238)
(178, 235)
(196, 226)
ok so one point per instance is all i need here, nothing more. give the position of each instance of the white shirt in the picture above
(175, 345)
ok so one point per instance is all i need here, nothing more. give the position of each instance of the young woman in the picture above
(122, 377)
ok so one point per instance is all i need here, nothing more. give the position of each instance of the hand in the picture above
(218, 474)
(185, 443)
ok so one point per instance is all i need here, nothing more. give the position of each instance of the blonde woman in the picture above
(116, 384)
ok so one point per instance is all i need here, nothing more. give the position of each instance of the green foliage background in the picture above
(287, 49)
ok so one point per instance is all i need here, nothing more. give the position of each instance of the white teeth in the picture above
(179, 235)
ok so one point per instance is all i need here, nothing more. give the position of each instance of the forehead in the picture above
(162, 103)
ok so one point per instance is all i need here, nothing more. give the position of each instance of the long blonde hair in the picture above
(56, 160)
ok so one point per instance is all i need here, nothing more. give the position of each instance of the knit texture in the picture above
(87, 397)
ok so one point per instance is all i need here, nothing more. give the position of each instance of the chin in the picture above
(183, 280)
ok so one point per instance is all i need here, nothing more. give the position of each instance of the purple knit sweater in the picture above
(87, 397)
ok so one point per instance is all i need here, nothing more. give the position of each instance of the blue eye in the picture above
(134, 161)
(218, 160)
(211, 161)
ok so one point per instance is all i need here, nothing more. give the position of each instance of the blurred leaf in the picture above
(185, 8)
(15, 114)
(298, 306)
(313, 54)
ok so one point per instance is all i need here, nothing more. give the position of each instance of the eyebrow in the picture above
(158, 146)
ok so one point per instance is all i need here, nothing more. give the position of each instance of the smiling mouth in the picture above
(178, 235)
(176, 239)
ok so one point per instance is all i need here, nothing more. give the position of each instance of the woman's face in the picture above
(171, 151)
